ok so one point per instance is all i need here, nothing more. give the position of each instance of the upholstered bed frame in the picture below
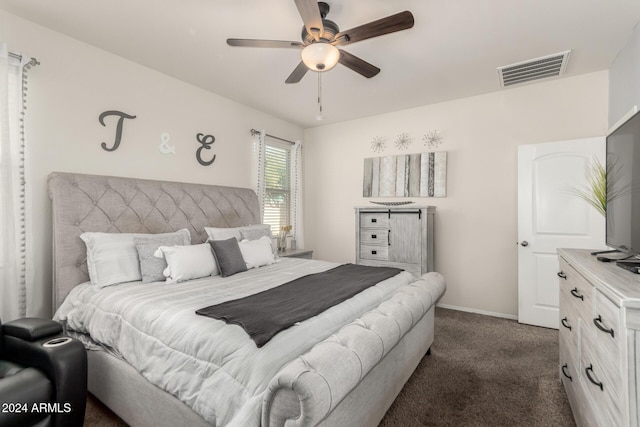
(350, 378)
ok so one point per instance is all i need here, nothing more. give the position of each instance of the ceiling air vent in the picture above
(533, 69)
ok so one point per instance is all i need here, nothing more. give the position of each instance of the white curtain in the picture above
(296, 175)
(259, 184)
(15, 269)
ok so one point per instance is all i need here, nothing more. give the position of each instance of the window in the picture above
(277, 194)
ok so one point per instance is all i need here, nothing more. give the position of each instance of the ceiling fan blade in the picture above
(311, 17)
(264, 43)
(358, 65)
(297, 74)
(390, 24)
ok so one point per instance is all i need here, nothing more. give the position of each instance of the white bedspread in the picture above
(213, 367)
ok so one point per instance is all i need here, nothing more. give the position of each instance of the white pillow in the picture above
(112, 258)
(257, 253)
(215, 233)
(187, 262)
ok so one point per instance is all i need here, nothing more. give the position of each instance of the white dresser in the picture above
(599, 339)
(396, 237)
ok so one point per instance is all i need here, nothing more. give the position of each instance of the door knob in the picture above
(524, 243)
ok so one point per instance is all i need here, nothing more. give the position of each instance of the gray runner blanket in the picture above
(264, 314)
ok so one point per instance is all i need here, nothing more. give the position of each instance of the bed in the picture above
(344, 366)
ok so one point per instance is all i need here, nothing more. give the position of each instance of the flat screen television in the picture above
(623, 185)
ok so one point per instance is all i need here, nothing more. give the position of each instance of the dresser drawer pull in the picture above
(587, 371)
(565, 366)
(374, 219)
(565, 323)
(374, 252)
(576, 294)
(562, 275)
(374, 236)
(598, 322)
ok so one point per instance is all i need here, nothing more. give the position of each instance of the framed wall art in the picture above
(409, 175)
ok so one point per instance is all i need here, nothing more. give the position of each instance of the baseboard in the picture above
(473, 310)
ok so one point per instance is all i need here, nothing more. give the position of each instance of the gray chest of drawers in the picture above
(396, 237)
(599, 339)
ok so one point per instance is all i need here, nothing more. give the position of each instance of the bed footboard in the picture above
(309, 388)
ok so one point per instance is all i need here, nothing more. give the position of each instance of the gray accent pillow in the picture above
(255, 233)
(151, 268)
(227, 232)
(228, 256)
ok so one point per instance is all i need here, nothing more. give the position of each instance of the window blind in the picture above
(277, 202)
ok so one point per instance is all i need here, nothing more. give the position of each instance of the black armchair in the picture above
(43, 375)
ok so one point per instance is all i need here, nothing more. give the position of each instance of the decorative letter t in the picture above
(118, 128)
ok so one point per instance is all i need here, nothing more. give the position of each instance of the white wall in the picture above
(76, 82)
(624, 79)
(476, 224)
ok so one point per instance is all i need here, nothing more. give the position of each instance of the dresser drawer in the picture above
(602, 360)
(575, 290)
(374, 220)
(568, 332)
(607, 323)
(603, 387)
(374, 252)
(568, 370)
(374, 237)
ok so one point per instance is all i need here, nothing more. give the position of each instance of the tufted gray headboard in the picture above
(127, 205)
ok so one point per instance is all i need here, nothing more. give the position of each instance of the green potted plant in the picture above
(599, 178)
(595, 192)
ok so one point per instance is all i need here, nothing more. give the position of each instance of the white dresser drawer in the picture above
(374, 252)
(608, 332)
(575, 290)
(602, 391)
(568, 371)
(609, 340)
(568, 333)
(370, 236)
(374, 220)
(602, 361)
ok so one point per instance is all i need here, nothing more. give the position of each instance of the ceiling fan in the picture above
(320, 37)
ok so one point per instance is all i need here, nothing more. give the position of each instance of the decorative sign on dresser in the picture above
(396, 237)
(599, 339)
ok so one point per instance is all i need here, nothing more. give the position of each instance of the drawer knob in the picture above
(374, 220)
(565, 366)
(598, 322)
(588, 371)
(565, 323)
(577, 294)
(562, 275)
(374, 236)
(374, 252)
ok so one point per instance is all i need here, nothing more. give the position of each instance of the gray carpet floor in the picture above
(482, 371)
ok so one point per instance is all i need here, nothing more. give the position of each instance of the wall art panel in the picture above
(410, 175)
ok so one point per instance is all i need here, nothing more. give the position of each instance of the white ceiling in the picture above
(452, 51)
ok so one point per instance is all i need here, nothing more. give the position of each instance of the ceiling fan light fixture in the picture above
(320, 56)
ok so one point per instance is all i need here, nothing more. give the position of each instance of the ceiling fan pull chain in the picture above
(319, 116)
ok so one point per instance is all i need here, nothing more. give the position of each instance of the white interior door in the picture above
(551, 217)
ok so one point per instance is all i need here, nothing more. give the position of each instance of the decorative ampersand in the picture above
(206, 141)
(164, 147)
(122, 116)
